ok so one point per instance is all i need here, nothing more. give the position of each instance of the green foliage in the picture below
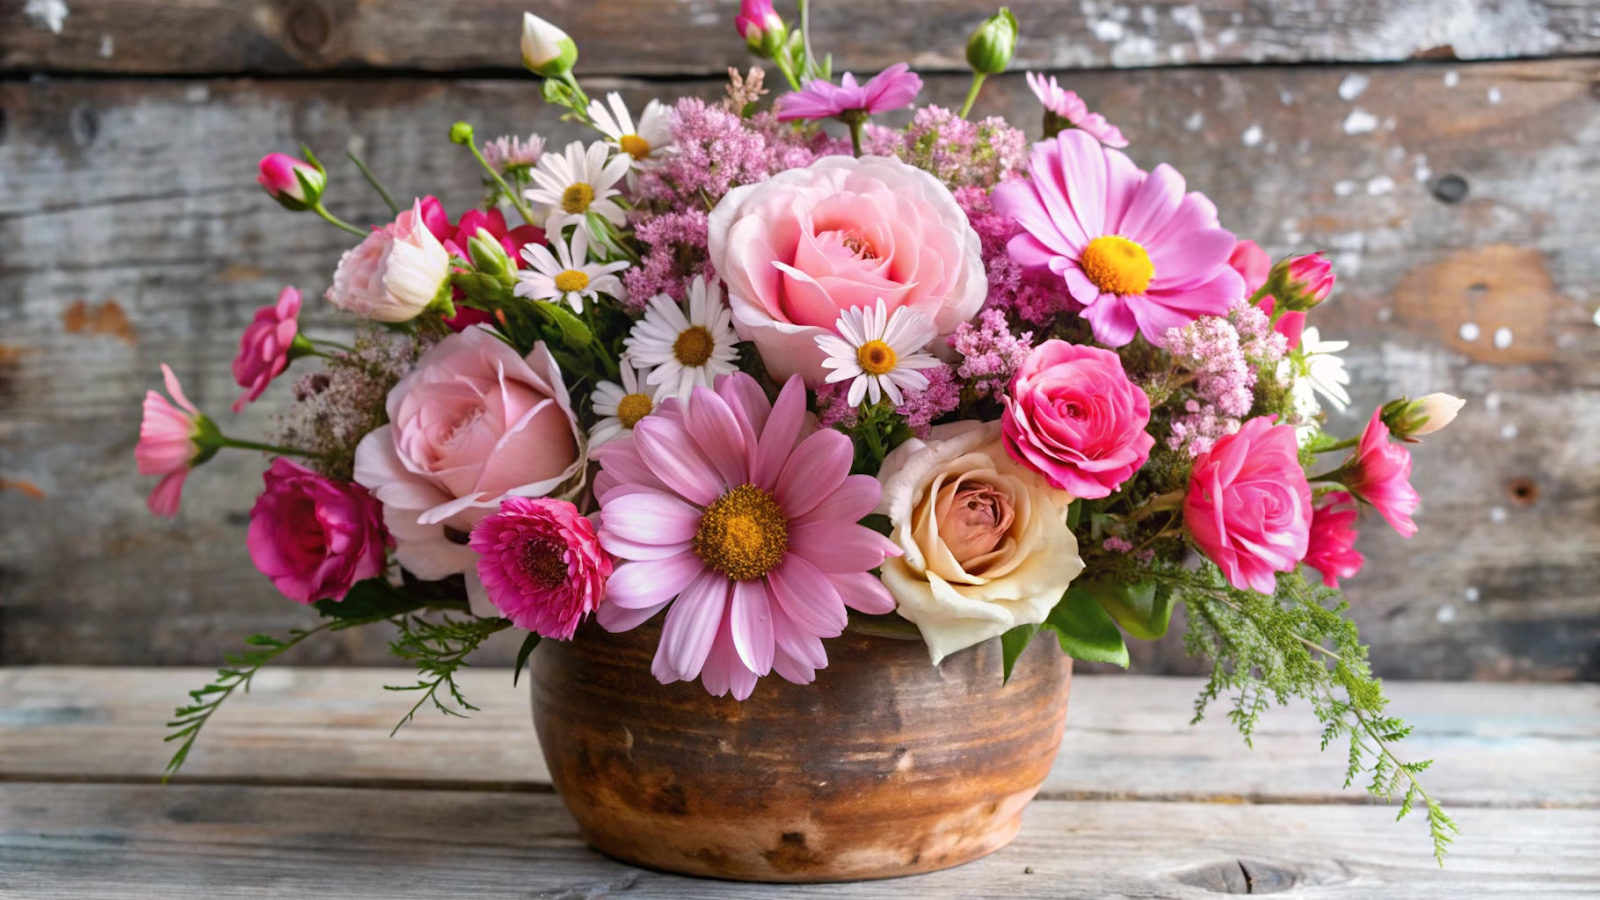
(528, 643)
(1085, 631)
(1142, 608)
(1012, 643)
(439, 650)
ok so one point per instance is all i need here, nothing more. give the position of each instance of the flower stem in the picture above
(335, 221)
(807, 71)
(516, 200)
(1341, 445)
(376, 184)
(972, 92)
(267, 448)
(855, 137)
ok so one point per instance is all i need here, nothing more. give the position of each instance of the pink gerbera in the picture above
(1070, 109)
(1133, 248)
(541, 564)
(742, 516)
(893, 88)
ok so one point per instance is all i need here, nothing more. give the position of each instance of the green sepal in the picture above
(528, 643)
(1085, 630)
(1143, 608)
(483, 290)
(1012, 643)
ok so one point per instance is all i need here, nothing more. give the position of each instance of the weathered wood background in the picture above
(1446, 152)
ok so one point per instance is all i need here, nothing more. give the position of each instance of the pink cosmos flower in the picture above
(1073, 416)
(1379, 472)
(1249, 505)
(168, 444)
(1069, 106)
(1332, 546)
(745, 512)
(313, 536)
(1136, 251)
(1255, 266)
(893, 88)
(264, 346)
(542, 564)
(280, 174)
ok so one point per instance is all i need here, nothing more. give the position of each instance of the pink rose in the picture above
(395, 273)
(264, 346)
(1332, 546)
(1249, 505)
(801, 247)
(314, 537)
(294, 183)
(1379, 472)
(542, 565)
(472, 424)
(1073, 416)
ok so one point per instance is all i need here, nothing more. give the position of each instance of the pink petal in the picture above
(838, 548)
(639, 585)
(850, 502)
(1112, 320)
(808, 597)
(864, 592)
(815, 469)
(690, 629)
(751, 621)
(780, 433)
(719, 435)
(669, 451)
(649, 517)
(1153, 205)
(615, 619)
(163, 501)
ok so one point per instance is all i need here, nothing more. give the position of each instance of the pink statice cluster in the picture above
(1027, 295)
(1223, 387)
(1261, 344)
(716, 152)
(959, 152)
(676, 253)
(941, 397)
(990, 353)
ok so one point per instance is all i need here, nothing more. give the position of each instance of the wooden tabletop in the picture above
(297, 791)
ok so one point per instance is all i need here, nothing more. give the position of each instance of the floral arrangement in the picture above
(766, 378)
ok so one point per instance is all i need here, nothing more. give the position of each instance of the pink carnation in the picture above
(1379, 472)
(1332, 546)
(264, 346)
(891, 89)
(1249, 505)
(541, 563)
(1073, 416)
(315, 537)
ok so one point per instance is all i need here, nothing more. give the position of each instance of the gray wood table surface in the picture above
(297, 791)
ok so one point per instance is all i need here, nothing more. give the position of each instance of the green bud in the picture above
(993, 44)
(547, 51)
(490, 258)
(460, 133)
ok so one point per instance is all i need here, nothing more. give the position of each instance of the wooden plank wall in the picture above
(1446, 152)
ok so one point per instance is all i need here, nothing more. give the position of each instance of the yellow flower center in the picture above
(571, 280)
(632, 408)
(876, 358)
(545, 563)
(743, 535)
(1117, 265)
(635, 146)
(693, 346)
(577, 198)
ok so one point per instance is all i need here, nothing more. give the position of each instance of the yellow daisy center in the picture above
(743, 535)
(635, 146)
(693, 346)
(632, 408)
(576, 199)
(1117, 265)
(571, 280)
(876, 358)
(545, 562)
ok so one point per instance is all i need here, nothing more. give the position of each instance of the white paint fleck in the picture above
(1497, 514)
(281, 678)
(1197, 120)
(107, 46)
(1491, 401)
(198, 93)
(1149, 16)
(1470, 331)
(1502, 338)
(1251, 136)
(1352, 85)
(1286, 98)
(1344, 188)
(51, 14)
(1106, 30)
(1452, 78)
(1508, 430)
(1423, 172)
(1359, 121)
(1446, 614)
(1189, 17)
(1385, 314)
(1471, 594)
(1597, 317)
(1379, 186)
(1494, 95)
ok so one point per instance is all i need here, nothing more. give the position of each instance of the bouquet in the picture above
(769, 371)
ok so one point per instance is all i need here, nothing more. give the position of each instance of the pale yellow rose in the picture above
(986, 542)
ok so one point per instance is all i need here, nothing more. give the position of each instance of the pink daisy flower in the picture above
(1070, 108)
(893, 88)
(740, 515)
(1132, 247)
(168, 444)
(541, 564)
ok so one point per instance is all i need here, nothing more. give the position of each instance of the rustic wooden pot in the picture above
(886, 766)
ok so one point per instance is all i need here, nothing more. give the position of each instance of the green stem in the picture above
(1341, 445)
(334, 344)
(571, 81)
(335, 221)
(810, 69)
(513, 196)
(267, 448)
(972, 92)
(855, 123)
(786, 66)
(376, 184)
(1337, 475)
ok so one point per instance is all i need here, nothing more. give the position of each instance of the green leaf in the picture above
(1085, 630)
(1142, 608)
(1074, 513)
(1012, 643)
(528, 643)
(374, 597)
(574, 333)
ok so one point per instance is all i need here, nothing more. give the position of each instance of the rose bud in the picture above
(1301, 282)
(547, 51)
(993, 44)
(1411, 419)
(296, 184)
(761, 27)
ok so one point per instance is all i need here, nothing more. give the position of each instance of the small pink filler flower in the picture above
(893, 88)
(747, 514)
(169, 443)
(541, 562)
(1379, 472)
(313, 536)
(264, 348)
(1132, 247)
(1332, 547)
(1069, 107)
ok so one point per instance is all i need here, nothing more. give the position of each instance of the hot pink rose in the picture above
(1254, 265)
(264, 346)
(801, 247)
(294, 183)
(472, 424)
(1332, 547)
(1249, 505)
(1073, 416)
(1379, 472)
(314, 537)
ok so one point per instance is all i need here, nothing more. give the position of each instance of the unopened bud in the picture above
(460, 133)
(294, 183)
(763, 30)
(1410, 419)
(993, 44)
(1301, 282)
(547, 51)
(490, 258)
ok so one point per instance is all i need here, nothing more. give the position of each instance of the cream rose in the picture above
(986, 542)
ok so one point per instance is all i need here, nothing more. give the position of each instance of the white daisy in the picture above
(687, 347)
(620, 405)
(1321, 370)
(881, 352)
(651, 139)
(568, 275)
(577, 181)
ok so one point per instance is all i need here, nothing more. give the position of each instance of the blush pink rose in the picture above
(1249, 504)
(313, 536)
(1379, 472)
(395, 273)
(472, 424)
(1332, 547)
(264, 346)
(798, 249)
(1073, 416)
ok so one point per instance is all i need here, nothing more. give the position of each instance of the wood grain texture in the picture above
(135, 201)
(643, 37)
(1128, 738)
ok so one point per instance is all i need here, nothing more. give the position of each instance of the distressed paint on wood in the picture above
(138, 198)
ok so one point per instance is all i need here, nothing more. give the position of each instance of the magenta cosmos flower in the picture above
(1070, 108)
(893, 88)
(1133, 248)
(541, 563)
(169, 443)
(1379, 472)
(742, 516)
(264, 346)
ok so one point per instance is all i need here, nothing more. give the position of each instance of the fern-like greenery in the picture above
(439, 650)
